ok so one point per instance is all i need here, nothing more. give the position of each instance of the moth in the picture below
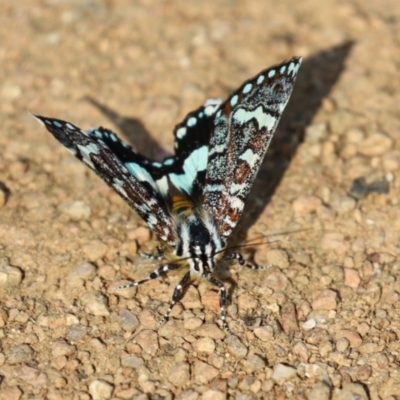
(218, 151)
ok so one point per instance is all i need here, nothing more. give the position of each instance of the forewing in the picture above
(242, 130)
(187, 169)
(129, 174)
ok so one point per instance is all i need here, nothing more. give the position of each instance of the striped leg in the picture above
(176, 296)
(222, 301)
(154, 275)
(159, 257)
(239, 257)
(151, 256)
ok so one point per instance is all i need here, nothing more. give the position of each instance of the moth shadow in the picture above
(138, 136)
(6, 192)
(317, 76)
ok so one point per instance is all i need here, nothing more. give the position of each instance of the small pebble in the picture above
(351, 391)
(301, 257)
(192, 323)
(30, 375)
(343, 204)
(19, 354)
(301, 351)
(278, 258)
(62, 348)
(94, 250)
(171, 329)
(375, 145)
(236, 348)
(191, 299)
(76, 332)
(289, 318)
(179, 374)
(264, 333)
(203, 372)
(189, 395)
(335, 241)
(132, 362)
(204, 345)
(372, 294)
(326, 300)
(95, 303)
(148, 341)
(391, 161)
(247, 301)
(283, 372)
(342, 344)
(85, 271)
(10, 393)
(9, 275)
(253, 363)
(75, 210)
(351, 278)
(141, 235)
(309, 324)
(212, 394)
(316, 336)
(304, 205)
(212, 331)
(276, 280)
(100, 390)
(127, 320)
(321, 391)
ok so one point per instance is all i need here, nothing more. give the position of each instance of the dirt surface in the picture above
(321, 323)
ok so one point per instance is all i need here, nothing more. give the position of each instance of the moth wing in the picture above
(242, 131)
(141, 184)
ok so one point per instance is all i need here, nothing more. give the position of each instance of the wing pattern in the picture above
(187, 169)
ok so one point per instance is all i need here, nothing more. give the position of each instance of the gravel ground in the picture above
(321, 323)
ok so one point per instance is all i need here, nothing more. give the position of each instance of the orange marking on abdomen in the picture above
(181, 205)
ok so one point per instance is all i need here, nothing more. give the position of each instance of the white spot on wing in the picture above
(271, 73)
(192, 121)
(250, 157)
(260, 79)
(264, 119)
(181, 132)
(247, 88)
(70, 126)
(86, 151)
(283, 69)
(234, 100)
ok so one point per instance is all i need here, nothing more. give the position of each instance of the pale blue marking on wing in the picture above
(194, 163)
(141, 174)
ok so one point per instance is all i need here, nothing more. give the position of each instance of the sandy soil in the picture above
(321, 323)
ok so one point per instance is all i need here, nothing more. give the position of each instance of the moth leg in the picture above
(222, 301)
(176, 296)
(242, 262)
(154, 275)
(158, 257)
(152, 256)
